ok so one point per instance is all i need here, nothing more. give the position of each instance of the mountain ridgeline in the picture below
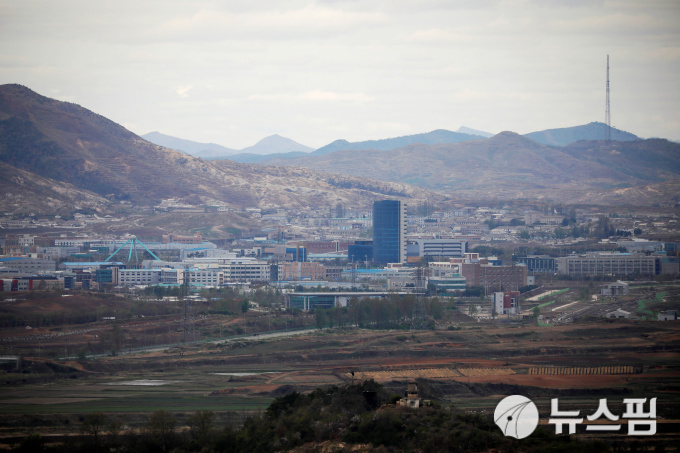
(274, 144)
(68, 148)
(206, 151)
(510, 166)
(277, 147)
(431, 138)
(66, 145)
(567, 135)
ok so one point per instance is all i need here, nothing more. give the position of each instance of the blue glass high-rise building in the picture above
(389, 231)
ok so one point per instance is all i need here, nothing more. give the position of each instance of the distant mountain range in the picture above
(568, 135)
(204, 150)
(280, 148)
(58, 155)
(274, 144)
(469, 131)
(510, 166)
(430, 138)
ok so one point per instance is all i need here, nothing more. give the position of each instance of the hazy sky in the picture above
(233, 72)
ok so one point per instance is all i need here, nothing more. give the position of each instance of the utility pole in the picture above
(185, 304)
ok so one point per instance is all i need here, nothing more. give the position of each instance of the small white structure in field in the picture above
(618, 313)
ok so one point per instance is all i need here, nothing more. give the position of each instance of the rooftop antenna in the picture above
(607, 111)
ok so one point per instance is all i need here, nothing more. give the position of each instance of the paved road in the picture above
(258, 336)
(264, 336)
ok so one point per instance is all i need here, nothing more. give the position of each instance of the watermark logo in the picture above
(640, 421)
(516, 416)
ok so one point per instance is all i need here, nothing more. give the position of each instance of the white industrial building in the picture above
(618, 313)
(437, 247)
(442, 268)
(618, 288)
(29, 265)
(604, 263)
(246, 270)
(205, 277)
(135, 277)
(640, 245)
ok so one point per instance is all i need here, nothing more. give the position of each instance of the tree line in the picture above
(391, 312)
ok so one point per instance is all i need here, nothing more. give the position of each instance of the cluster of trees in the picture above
(231, 307)
(126, 309)
(263, 295)
(494, 223)
(488, 250)
(392, 312)
(385, 189)
(353, 414)
(164, 291)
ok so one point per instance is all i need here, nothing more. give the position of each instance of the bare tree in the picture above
(162, 428)
(202, 424)
(93, 424)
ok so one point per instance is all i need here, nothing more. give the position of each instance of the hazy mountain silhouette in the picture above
(591, 131)
(469, 131)
(204, 150)
(509, 165)
(275, 144)
(61, 147)
(430, 138)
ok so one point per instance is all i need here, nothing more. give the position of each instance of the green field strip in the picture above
(545, 304)
(552, 293)
(642, 305)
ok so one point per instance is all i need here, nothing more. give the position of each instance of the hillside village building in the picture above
(532, 218)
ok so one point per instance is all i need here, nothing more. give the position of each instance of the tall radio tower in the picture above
(607, 111)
